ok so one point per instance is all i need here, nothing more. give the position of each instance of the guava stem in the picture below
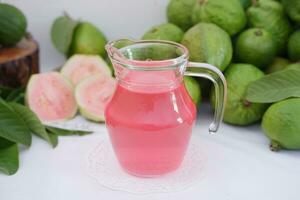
(258, 32)
(201, 2)
(275, 146)
(247, 103)
(66, 14)
(255, 2)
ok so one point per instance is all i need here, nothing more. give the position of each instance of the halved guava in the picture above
(92, 95)
(79, 67)
(50, 96)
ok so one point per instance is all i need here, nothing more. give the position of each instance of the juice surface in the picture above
(150, 129)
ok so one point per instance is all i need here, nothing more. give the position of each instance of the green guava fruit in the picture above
(92, 95)
(79, 67)
(193, 89)
(281, 124)
(255, 46)
(179, 12)
(87, 39)
(292, 7)
(238, 110)
(245, 3)
(270, 15)
(13, 25)
(277, 65)
(151, 51)
(165, 31)
(208, 43)
(229, 14)
(294, 46)
(50, 96)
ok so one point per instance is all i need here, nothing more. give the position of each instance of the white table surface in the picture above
(240, 164)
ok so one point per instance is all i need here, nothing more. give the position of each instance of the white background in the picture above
(115, 18)
(240, 165)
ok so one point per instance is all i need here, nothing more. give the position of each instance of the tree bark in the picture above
(17, 63)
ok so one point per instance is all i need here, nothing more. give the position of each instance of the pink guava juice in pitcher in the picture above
(150, 115)
(150, 126)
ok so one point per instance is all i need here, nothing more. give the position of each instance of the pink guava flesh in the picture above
(79, 67)
(93, 94)
(51, 97)
(82, 72)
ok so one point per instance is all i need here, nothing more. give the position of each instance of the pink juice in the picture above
(150, 127)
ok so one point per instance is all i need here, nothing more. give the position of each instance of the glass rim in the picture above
(133, 65)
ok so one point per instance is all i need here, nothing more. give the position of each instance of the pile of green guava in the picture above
(246, 39)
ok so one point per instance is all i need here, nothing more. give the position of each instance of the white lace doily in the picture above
(104, 167)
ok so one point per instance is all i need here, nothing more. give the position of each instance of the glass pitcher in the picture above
(150, 115)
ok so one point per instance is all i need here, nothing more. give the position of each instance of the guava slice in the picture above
(50, 96)
(92, 95)
(80, 66)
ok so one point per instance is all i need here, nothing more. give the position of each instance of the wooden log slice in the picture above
(17, 63)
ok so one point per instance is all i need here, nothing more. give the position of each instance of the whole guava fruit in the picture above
(238, 110)
(208, 43)
(79, 67)
(87, 39)
(270, 15)
(50, 96)
(229, 14)
(281, 124)
(294, 46)
(255, 46)
(165, 31)
(277, 64)
(92, 95)
(193, 89)
(292, 7)
(152, 51)
(13, 25)
(179, 12)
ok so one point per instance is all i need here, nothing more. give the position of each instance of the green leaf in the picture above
(53, 139)
(62, 32)
(9, 157)
(16, 95)
(31, 120)
(66, 132)
(12, 125)
(275, 87)
(5, 91)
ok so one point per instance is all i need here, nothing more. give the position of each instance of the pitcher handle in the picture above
(215, 75)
